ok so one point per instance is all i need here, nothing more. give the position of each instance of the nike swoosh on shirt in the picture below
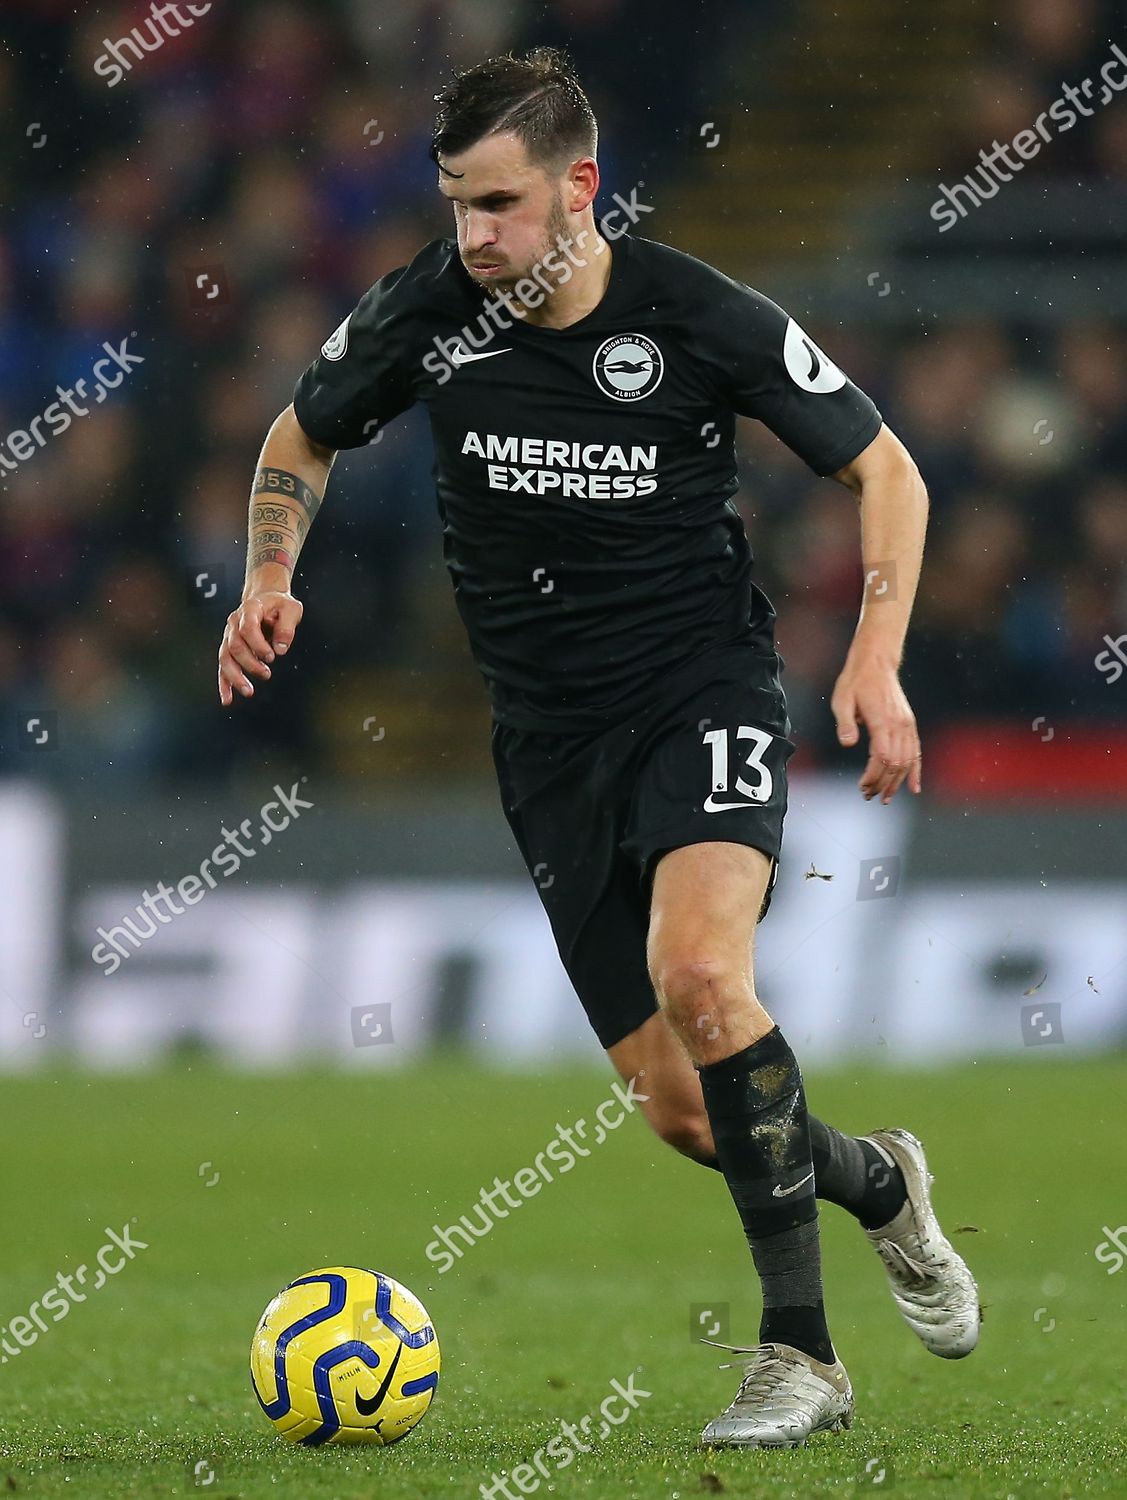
(461, 356)
(782, 1192)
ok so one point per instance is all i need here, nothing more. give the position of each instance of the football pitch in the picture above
(236, 1184)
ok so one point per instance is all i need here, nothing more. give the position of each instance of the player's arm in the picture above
(894, 507)
(360, 381)
(289, 485)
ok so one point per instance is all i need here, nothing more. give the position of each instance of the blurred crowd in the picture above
(1021, 440)
(224, 205)
(1045, 47)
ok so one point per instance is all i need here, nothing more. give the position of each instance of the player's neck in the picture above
(577, 297)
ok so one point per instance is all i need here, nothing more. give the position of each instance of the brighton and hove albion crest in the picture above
(629, 367)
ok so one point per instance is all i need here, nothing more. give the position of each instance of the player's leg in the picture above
(705, 904)
(850, 1172)
(558, 799)
(856, 1174)
(882, 1180)
(705, 899)
(674, 1106)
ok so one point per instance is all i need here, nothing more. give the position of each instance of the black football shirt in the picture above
(585, 475)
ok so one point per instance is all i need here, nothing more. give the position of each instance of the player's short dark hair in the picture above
(537, 98)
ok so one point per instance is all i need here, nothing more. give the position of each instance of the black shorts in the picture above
(593, 812)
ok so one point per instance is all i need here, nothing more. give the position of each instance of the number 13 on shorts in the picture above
(756, 789)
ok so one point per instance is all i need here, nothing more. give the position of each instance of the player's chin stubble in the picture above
(555, 231)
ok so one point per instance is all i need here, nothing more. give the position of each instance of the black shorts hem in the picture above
(612, 1028)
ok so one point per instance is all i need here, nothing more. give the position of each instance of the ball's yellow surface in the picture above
(344, 1355)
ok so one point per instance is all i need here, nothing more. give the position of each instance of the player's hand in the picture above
(868, 692)
(260, 629)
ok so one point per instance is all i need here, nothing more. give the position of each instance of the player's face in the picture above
(508, 213)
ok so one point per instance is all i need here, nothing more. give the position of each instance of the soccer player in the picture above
(582, 385)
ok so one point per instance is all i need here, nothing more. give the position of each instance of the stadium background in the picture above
(227, 202)
(960, 967)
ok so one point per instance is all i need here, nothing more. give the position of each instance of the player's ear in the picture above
(582, 184)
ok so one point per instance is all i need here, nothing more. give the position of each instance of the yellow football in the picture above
(344, 1355)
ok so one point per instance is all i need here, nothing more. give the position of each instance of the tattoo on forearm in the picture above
(271, 555)
(282, 507)
(272, 515)
(282, 483)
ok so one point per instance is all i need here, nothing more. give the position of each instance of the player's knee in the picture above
(694, 989)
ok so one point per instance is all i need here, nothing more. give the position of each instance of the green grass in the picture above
(590, 1280)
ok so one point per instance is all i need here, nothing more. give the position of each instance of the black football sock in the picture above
(853, 1174)
(757, 1109)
